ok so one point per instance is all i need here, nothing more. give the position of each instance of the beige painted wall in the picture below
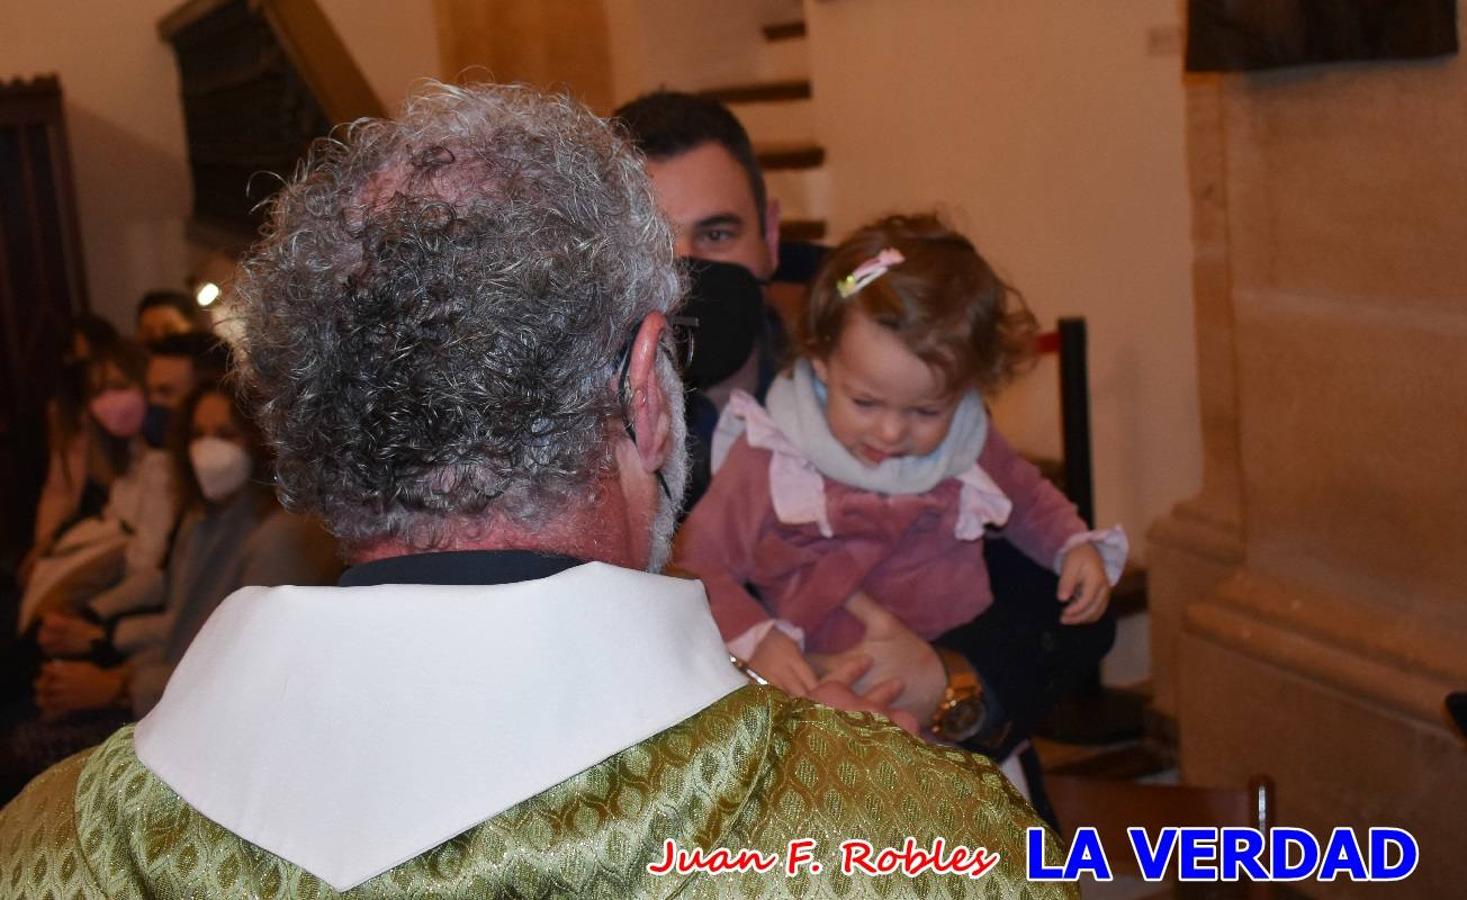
(125, 125)
(1053, 136)
(691, 44)
(125, 121)
(394, 42)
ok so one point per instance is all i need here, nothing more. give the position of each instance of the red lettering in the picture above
(669, 847)
(983, 860)
(797, 854)
(754, 861)
(955, 862)
(713, 862)
(912, 860)
(916, 860)
(854, 855)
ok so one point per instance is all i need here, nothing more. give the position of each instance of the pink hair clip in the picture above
(869, 271)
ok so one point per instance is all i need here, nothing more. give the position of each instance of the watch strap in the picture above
(962, 679)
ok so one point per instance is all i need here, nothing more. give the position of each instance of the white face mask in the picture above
(221, 467)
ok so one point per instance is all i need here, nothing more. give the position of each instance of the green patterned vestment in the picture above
(753, 770)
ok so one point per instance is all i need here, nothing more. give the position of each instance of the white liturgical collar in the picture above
(348, 730)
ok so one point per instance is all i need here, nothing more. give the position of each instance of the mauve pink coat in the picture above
(900, 549)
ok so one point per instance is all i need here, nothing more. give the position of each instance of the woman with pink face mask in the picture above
(98, 560)
(103, 672)
(77, 472)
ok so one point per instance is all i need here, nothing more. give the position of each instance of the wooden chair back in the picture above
(1111, 806)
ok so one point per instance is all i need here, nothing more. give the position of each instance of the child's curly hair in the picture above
(944, 301)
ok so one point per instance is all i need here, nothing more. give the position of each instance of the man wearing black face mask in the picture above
(176, 364)
(736, 338)
(709, 186)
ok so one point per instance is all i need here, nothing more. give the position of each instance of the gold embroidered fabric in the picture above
(754, 770)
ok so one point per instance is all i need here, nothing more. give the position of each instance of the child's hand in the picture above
(779, 661)
(1083, 585)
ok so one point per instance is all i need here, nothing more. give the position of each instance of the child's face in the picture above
(882, 399)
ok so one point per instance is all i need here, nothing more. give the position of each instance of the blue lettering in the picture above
(1038, 871)
(1241, 849)
(1381, 842)
(1280, 840)
(1342, 854)
(1198, 848)
(1233, 854)
(1086, 854)
(1153, 859)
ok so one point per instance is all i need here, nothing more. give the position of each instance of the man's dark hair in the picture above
(176, 299)
(669, 123)
(209, 355)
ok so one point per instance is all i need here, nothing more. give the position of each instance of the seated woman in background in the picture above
(130, 534)
(77, 471)
(233, 533)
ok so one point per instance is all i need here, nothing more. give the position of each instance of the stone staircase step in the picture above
(784, 31)
(776, 157)
(761, 92)
(782, 61)
(802, 193)
(785, 124)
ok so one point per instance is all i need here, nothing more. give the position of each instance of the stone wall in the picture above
(1308, 609)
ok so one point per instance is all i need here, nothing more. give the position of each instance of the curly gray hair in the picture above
(432, 318)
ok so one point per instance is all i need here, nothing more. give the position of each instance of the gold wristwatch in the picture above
(962, 712)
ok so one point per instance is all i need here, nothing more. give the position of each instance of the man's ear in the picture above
(647, 404)
(771, 235)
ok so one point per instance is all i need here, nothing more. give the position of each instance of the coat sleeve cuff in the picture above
(1111, 543)
(745, 644)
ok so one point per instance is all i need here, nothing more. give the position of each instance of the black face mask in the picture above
(728, 303)
(155, 425)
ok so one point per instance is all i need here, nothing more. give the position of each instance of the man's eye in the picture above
(716, 236)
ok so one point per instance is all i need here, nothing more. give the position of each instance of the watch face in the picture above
(963, 719)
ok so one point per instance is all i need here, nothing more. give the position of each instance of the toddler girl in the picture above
(873, 470)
